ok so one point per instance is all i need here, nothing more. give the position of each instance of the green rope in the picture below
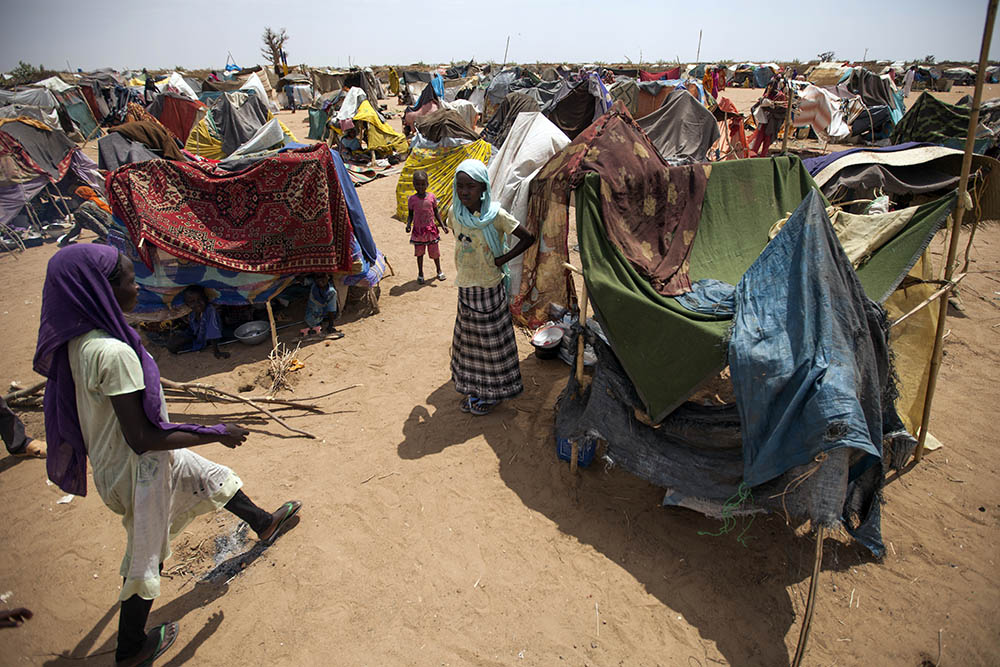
(729, 520)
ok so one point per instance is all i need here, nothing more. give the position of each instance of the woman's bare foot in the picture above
(36, 449)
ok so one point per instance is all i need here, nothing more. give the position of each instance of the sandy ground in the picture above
(430, 537)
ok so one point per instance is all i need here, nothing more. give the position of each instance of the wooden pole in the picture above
(788, 117)
(697, 55)
(505, 53)
(274, 329)
(800, 649)
(964, 201)
(580, 344)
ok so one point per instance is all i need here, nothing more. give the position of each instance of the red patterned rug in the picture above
(285, 214)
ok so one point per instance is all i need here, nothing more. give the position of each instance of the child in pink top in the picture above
(424, 221)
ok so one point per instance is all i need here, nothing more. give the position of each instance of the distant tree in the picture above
(274, 44)
(26, 73)
(928, 60)
(826, 56)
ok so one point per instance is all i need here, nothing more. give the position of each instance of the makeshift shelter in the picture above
(626, 91)
(820, 110)
(577, 103)
(682, 130)
(908, 173)
(827, 73)
(662, 213)
(59, 105)
(33, 157)
(163, 280)
(530, 144)
(800, 288)
(672, 73)
(934, 121)
(445, 124)
(440, 165)
(177, 113)
(188, 209)
(498, 126)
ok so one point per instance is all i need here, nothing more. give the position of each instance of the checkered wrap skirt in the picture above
(484, 359)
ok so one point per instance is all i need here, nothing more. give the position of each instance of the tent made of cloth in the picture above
(672, 73)
(445, 124)
(531, 143)
(651, 210)
(154, 136)
(283, 214)
(907, 172)
(754, 194)
(45, 152)
(496, 128)
(832, 470)
(440, 165)
(378, 135)
(177, 113)
(682, 130)
(937, 122)
(161, 285)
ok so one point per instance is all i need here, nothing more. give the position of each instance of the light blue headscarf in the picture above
(487, 211)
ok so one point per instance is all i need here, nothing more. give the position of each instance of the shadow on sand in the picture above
(736, 596)
(208, 588)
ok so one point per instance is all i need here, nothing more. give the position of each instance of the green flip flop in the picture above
(162, 643)
(290, 508)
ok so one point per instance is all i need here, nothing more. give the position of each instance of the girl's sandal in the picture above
(481, 407)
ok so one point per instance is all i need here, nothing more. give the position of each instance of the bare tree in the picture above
(826, 56)
(274, 44)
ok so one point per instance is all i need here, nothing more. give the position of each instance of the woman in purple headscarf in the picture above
(103, 401)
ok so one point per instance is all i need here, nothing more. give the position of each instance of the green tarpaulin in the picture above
(667, 350)
(936, 122)
(317, 123)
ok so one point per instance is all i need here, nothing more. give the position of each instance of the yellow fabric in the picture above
(381, 137)
(288, 133)
(27, 121)
(912, 340)
(393, 82)
(860, 235)
(474, 261)
(440, 165)
(204, 141)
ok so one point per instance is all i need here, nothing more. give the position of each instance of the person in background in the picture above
(321, 305)
(93, 214)
(204, 326)
(150, 91)
(424, 221)
(484, 361)
(350, 143)
(104, 403)
(14, 438)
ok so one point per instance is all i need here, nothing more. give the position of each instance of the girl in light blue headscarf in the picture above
(484, 360)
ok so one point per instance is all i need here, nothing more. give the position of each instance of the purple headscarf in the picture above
(77, 298)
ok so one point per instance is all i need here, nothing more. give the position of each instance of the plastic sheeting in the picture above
(531, 142)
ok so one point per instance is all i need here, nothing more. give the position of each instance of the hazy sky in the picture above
(195, 34)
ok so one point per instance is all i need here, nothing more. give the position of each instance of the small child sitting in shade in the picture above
(204, 326)
(321, 305)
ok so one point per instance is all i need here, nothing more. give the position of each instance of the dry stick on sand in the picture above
(206, 391)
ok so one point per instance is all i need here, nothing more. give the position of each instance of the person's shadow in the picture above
(208, 588)
(736, 596)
